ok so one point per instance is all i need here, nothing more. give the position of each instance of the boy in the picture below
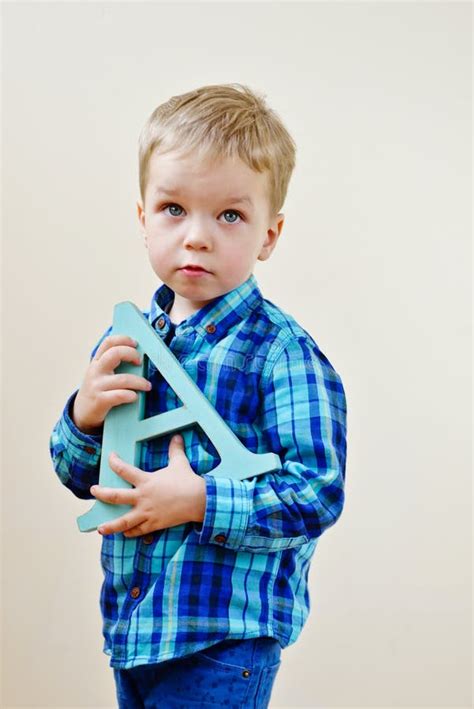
(205, 579)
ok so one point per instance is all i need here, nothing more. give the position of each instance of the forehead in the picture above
(172, 174)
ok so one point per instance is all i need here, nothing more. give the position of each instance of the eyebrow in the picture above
(174, 193)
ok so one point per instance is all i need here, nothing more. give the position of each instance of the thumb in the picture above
(176, 443)
(176, 448)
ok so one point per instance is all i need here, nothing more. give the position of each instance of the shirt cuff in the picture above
(228, 507)
(79, 443)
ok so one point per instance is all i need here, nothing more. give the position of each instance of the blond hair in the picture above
(219, 121)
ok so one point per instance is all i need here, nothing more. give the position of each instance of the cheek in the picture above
(159, 254)
(239, 252)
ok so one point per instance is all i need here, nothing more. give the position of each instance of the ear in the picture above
(141, 219)
(273, 232)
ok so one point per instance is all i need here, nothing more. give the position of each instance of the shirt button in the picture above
(210, 328)
(161, 323)
(135, 592)
(246, 673)
(219, 538)
(90, 450)
(148, 538)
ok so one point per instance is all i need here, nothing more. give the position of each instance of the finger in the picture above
(137, 531)
(176, 446)
(113, 495)
(124, 381)
(126, 471)
(112, 357)
(114, 397)
(113, 340)
(122, 524)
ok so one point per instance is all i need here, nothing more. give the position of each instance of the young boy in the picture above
(206, 579)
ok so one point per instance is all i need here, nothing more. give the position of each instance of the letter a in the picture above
(125, 428)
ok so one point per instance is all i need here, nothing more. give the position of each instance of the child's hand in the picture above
(163, 498)
(102, 388)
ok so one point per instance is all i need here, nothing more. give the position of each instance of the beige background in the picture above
(373, 261)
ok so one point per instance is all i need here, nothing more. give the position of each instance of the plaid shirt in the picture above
(243, 571)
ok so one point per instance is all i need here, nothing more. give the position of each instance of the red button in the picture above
(219, 538)
(148, 539)
(161, 323)
(210, 328)
(90, 450)
(135, 592)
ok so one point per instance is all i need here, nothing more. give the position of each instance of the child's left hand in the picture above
(163, 498)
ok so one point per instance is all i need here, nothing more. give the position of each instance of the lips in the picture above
(193, 267)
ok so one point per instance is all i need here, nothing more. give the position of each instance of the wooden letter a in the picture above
(125, 427)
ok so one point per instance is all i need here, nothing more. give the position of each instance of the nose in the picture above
(197, 236)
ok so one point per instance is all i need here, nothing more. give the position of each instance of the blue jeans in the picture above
(235, 674)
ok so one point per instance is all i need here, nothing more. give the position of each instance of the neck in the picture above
(180, 309)
(176, 313)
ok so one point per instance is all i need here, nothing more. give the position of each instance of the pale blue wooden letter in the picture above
(125, 428)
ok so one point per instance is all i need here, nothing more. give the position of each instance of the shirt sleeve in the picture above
(75, 454)
(304, 421)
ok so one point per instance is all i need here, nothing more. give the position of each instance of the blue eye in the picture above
(232, 211)
(174, 205)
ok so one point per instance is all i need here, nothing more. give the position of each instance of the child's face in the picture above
(202, 223)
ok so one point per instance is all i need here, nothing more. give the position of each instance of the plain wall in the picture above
(373, 261)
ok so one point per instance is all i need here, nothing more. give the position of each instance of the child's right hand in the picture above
(102, 388)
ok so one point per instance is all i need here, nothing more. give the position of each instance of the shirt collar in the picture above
(214, 319)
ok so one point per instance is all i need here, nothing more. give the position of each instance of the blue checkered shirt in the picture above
(243, 571)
